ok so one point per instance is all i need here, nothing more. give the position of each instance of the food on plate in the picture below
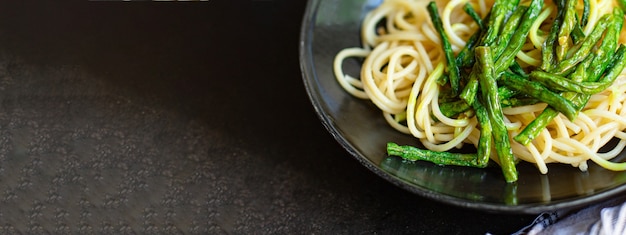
(520, 80)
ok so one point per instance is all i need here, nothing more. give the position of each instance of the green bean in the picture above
(540, 92)
(489, 87)
(451, 69)
(534, 128)
(577, 34)
(412, 153)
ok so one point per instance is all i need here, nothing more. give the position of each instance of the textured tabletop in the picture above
(186, 118)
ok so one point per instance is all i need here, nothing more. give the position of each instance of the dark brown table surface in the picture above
(162, 117)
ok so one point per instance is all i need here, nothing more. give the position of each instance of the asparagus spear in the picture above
(451, 109)
(577, 33)
(487, 37)
(615, 67)
(622, 4)
(489, 31)
(489, 87)
(517, 69)
(468, 94)
(581, 73)
(569, 20)
(514, 102)
(608, 46)
(532, 130)
(540, 92)
(585, 17)
(451, 69)
(586, 46)
(479, 159)
(494, 50)
(600, 62)
(556, 82)
(465, 58)
(485, 141)
(412, 153)
(472, 13)
(508, 30)
(499, 11)
(507, 57)
(547, 52)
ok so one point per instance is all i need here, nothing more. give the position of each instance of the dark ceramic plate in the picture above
(330, 25)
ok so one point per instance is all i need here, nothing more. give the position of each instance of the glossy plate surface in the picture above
(331, 25)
